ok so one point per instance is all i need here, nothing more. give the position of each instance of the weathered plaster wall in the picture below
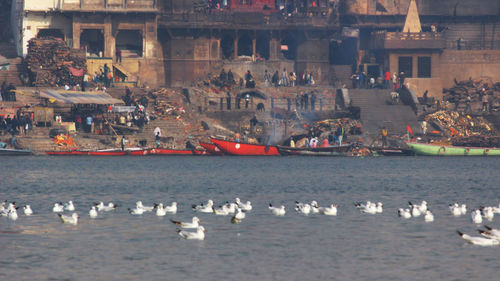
(33, 22)
(466, 64)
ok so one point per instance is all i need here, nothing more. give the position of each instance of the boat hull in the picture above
(15, 152)
(450, 150)
(167, 151)
(338, 150)
(246, 149)
(211, 148)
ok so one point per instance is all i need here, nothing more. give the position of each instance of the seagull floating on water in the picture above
(415, 210)
(27, 210)
(138, 205)
(404, 213)
(12, 215)
(136, 211)
(455, 209)
(481, 241)
(172, 208)
(369, 207)
(277, 211)
(69, 206)
(93, 213)
(73, 219)
(303, 208)
(328, 211)
(429, 217)
(198, 235)
(58, 208)
(221, 211)
(490, 233)
(106, 208)
(476, 217)
(244, 206)
(160, 211)
(207, 208)
(488, 213)
(314, 207)
(193, 224)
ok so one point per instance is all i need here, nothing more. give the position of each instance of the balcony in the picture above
(119, 6)
(401, 40)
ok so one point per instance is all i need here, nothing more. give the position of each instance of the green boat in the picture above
(450, 150)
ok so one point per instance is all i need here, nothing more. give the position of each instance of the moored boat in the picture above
(335, 150)
(391, 151)
(15, 152)
(169, 151)
(247, 149)
(211, 148)
(450, 150)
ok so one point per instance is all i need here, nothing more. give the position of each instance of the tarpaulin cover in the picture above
(75, 97)
(76, 72)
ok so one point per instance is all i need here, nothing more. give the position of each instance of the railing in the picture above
(407, 40)
(109, 4)
(473, 45)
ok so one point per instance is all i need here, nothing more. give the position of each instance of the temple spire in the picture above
(412, 23)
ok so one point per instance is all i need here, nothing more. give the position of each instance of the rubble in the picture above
(49, 60)
(472, 88)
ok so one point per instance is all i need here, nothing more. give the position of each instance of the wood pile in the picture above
(477, 141)
(458, 125)
(48, 62)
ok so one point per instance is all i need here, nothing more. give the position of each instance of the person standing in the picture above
(267, 78)
(118, 55)
(484, 99)
(424, 127)
(123, 142)
(387, 79)
(275, 79)
(384, 133)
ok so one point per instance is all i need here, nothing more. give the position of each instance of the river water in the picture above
(351, 246)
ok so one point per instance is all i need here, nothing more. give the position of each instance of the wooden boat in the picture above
(106, 152)
(67, 152)
(237, 148)
(336, 150)
(211, 148)
(139, 152)
(450, 150)
(168, 151)
(15, 152)
(391, 151)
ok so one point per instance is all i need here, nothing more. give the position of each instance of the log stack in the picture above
(48, 62)
(477, 141)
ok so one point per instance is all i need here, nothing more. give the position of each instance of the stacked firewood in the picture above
(48, 62)
(462, 89)
(459, 125)
(477, 141)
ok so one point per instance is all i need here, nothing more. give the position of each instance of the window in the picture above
(405, 65)
(424, 67)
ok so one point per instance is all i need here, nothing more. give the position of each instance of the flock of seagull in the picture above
(238, 210)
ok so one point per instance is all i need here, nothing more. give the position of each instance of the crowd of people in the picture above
(7, 92)
(386, 80)
(18, 124)
(288, 79)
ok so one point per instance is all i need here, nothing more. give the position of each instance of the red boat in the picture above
(139, 152)
(211, 148)
(237, 148)
(70, 152)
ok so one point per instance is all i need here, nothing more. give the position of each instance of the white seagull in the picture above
(488, 213)
(136, 211)
(476, 217)
(369, 207)
(328, 211)
(93, 213)
(27, 210)
(455, 210)
(415, 210)
(221, 211)
(244, 206)
(406, 214)
(193, 224)
(106, 208)
(481, 241)
(58, 208)
(207, 208)
(12, 215)
(277, 211)
(69, 206)
(73, 219)
(138, 205)
(490, 232)
(160, 211)
(463, 209)
(172, 208)
(198, 235)
(303, 208)
(429, 217)
(314, 207)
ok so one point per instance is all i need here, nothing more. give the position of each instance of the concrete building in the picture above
(176, 42)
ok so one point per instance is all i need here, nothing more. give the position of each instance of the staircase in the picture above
(376, 112)
(8, 53)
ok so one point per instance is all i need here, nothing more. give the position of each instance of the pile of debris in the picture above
(459, 125)
(50, 62)
(165, 103)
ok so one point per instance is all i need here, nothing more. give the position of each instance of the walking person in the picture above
(384, 133)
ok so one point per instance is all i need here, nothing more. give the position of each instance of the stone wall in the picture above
(466, 64)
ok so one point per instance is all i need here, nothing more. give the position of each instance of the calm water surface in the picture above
(351, 246)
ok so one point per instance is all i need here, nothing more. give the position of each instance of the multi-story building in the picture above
(175, 42)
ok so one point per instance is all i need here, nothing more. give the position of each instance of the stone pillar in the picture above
(236, 44)
(77, 32)
(109, 39)
(273, 49)
(254, 44)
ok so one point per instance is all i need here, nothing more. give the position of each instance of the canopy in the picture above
(75, 97)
